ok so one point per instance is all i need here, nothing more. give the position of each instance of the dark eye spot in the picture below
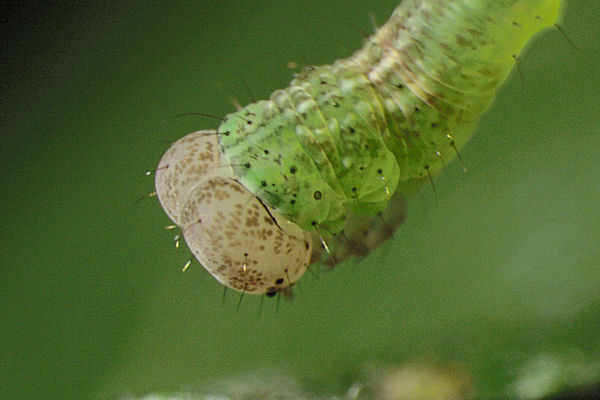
(263, 183)
(279, 281)
(317, 195)
(247, 165)
(293, 170)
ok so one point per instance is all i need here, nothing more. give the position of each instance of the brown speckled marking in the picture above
(188, 161)
(238, 242)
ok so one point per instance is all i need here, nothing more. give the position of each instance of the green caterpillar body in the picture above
(345, 137)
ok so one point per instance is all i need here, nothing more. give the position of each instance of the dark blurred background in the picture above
(498, 271)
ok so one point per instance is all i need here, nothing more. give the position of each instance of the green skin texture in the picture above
(345, 137)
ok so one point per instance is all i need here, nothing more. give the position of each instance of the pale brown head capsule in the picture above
(239, 240)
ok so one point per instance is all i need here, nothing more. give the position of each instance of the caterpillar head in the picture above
(243, 243)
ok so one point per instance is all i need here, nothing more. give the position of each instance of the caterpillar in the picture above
(343, 143)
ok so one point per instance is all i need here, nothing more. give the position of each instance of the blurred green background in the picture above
(501, 268)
